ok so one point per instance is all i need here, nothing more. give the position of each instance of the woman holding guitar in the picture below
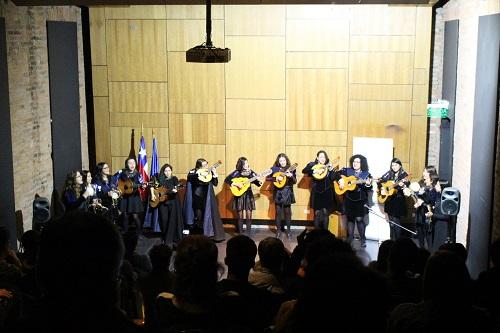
(394, 180)
(245, 202)
(284, 177)
(129, 181)
(322, 196)
(426, 198)
(356, 199)
(169, 206)
(200, 196)
(106, 189)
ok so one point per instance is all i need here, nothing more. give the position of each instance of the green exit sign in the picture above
(438, 109)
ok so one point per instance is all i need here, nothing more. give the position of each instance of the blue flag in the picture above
(155, 165)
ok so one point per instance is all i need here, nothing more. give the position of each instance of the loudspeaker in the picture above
(450, 201)
(41, 212)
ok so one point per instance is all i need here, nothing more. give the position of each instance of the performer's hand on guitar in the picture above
(330, 166)
(407, 192)
(279, 178)
(383, 191)
(418, 203)
(214, 172)
(401, 184)
(437, 187)
(428, 214)
(238, 185)
(153, 197)
(174, 190)
(368, 181)
(341, 184)
(144, 185)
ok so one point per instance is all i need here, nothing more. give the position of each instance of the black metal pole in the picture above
(209, 23)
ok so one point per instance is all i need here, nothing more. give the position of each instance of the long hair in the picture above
(362, 159)
(70, 184)
(277, 162)
(99, 168)
(326, 156)
(241, 163)
(126, 166)
(199, 163)
(433, 175)
(85, 176)
(161, 175)
(398, 161)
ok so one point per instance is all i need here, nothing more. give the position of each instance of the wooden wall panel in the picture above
(421, 76)
(312, 138)
(185, 34)
(197, 128)
(148, 119)
(100, 80)
(324, 12)
(380, 92)
(137, 50)
(423, 37)
(193, 12)
(259, 147)
(257, 67)
(316, 99)
(420, 96)
(140, 97)
(418, 145)
(193, 87)
(381, 67)
(97, 26)
(136, 12)
(317, 59)
(317, 35)
(101, 126)
(383, 20)
(382, 43)
(255, 20)
(382, 119)
(255, 114)
(120, 140)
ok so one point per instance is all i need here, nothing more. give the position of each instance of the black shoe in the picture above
(363, 244)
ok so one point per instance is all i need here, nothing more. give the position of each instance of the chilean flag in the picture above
(142, 167)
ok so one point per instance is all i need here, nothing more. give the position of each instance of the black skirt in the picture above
(244, 202)
(323, 200)
(396, 206)
(131, 204)
(355, 208)
(284, 196)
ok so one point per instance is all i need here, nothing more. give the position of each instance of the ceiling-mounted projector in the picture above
(207, 53)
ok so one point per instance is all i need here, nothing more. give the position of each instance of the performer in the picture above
(201, 211)
(106, 190)
(245, 202)
(75, 194)
(284, 196)
(425, 201)
(170, 209)
(355, 200)
(322, 196)
(130, 204)
(395, 205)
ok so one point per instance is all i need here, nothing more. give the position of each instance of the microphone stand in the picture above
(391, 222)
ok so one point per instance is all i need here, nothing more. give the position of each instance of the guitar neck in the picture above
(216, 165)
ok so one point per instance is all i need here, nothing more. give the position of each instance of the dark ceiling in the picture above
(215, 2)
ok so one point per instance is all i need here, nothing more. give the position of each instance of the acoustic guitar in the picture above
(161, 195)
(389, 187)
(205, 174)
(281, 183)
(126, 186)
(350, 183)
(321, 170)
(245, 183)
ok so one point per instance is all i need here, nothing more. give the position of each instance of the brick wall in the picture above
(468, 12)
(29, 99)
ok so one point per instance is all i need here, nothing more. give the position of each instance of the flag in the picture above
(142, 167)
(155, 165)
(131, 154)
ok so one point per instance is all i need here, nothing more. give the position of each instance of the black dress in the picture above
(284, 196)
(170, 213)
(395, 205)
(245, 201)
(322, 194)
(131, 204)
(199, 189)
(355, 201)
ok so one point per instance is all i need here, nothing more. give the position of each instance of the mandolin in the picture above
(350, 183)
(389, 187)
(320, 171)
(281, 183)
(161, 195)
(205, 174)
(245, 183)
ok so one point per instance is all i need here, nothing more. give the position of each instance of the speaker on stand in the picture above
(450, 206)
(41, 212)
